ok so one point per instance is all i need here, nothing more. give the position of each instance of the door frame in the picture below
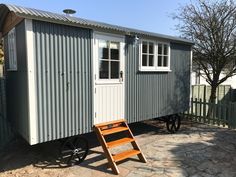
(106, 36)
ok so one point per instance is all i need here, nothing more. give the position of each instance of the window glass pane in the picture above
(115, 54)
(151, 48)
(103, 49)
(144, 60)
(165, 61)
(165, 49)
(151, 61)
(12, 50)
(159, 48)
(114, 45)
(159, 62)
(115, 69)
(103, 69)
(144, 47)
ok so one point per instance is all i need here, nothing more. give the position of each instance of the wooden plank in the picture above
(191, 107)
(107, 153)
(125, 154)
(208, 105)
(200, 114)
(220, 112)
(229, 114)
(136, 146)
(195, 109)
(110, 122)
(10, 22)
(204, 111)
(119, 142)
(114, 130)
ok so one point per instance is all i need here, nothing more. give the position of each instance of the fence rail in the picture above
(223, 93)
(223, 113)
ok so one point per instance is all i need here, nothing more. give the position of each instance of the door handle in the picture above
(121, 75)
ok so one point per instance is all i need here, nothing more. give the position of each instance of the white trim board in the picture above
(32, 100)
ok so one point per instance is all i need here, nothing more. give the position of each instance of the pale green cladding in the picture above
(63, 77)
(155, 94)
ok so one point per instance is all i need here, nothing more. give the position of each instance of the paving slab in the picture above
(195, 150)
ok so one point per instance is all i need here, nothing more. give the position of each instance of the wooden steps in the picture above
(111, 128)
(114, 130)
(119, 142)
(125, 154)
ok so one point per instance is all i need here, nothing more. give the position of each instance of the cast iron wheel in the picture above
(74, 150)
(173, 123)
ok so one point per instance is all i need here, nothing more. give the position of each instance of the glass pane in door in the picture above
(104, 69)
(115, 69)
(103, 50)
(114, 47)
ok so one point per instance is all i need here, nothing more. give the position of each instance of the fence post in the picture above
(229, 118)
(200, 110)
(204, 110)
(191, 108)
(196, 104)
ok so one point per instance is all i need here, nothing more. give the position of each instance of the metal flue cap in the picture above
(69, 11)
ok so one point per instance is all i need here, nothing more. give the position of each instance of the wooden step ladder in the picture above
(109, 128)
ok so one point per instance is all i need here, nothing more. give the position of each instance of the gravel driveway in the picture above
(196, 150)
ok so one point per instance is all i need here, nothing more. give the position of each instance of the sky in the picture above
(149, 15)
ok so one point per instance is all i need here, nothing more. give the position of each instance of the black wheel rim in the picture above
(74, 151)
(173, 123)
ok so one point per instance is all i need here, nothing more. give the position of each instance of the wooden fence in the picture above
(224, 93)
(223, 113)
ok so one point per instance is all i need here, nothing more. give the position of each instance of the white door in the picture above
(109, 78)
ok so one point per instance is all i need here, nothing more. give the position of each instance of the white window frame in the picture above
(147, 68)
(108, 37)
(154, 68)
(12, 56)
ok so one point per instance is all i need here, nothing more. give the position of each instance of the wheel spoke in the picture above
(175, 127)
(72, 145)
(74, 150)
(66, 151)
(172, 126)
(70, 159)
(79, 157)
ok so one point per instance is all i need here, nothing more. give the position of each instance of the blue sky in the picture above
(148, 15)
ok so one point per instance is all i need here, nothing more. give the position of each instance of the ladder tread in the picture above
(114, 130)
(110, 122)
(119, 142)
(112, 127)
(125, 154)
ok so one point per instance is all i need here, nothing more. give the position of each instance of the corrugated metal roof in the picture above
(60, 18)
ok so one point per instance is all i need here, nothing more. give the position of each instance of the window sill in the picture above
(10, 70)
(155, 70)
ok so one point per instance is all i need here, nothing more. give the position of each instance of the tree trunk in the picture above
(212, 101)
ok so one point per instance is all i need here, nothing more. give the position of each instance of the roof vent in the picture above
(69, 12)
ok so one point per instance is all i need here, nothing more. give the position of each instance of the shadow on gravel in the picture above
(213, 155)
(19, 153)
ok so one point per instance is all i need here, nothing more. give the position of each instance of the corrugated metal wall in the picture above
(6, 133)
(17, 85)
(64, 85)
(155, 94)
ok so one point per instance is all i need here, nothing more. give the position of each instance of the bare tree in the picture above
(1, 52)
(212, 26)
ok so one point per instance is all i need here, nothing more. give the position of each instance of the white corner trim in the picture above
(32, 101)
(191, 68)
